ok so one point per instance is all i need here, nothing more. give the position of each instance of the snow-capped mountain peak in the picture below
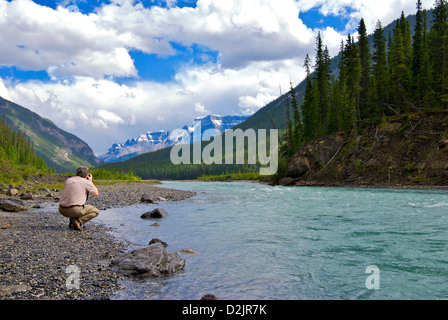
(153, 141)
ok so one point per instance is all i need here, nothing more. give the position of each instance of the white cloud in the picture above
(3, 89)
(107, 118)
(200, 108)
(243, 31)
(71, 43)
(35, 37)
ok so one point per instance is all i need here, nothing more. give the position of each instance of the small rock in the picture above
(158, 241)
(14, 288)
(155, 224)
(148, 198)
(209, 297)
(46, 190)
(155, 214)
(372, 163)
(286, 181)
(27, 196)
(12, 192)
(189, 251)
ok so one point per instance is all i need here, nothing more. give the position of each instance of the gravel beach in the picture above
(41, 258)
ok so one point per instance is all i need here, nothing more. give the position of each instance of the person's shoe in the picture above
(77, 224)
(70, 224)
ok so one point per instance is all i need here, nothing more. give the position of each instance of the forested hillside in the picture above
(62, 151)
(382, 120)
(404, 72)
(17, 157)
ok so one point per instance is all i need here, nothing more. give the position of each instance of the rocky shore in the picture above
(41, 258)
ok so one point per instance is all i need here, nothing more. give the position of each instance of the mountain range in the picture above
(157, 140)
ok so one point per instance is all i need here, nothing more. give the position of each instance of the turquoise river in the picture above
(259, 242)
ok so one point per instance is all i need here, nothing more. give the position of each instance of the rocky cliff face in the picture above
(408, 150)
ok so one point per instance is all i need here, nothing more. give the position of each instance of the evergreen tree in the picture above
(309, 109)
(297, 131)
(365, 60)
(439, 53)
(354, 72)
(400, 64)
(424, 81)
(418, 48)
(346, 109)
(323, 72)
(334, 112)
(380, 71)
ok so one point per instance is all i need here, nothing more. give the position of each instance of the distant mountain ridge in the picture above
(61, 150)
(157, 140)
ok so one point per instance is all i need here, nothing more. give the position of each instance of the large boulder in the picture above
(12, 204)
(155, 214)
(150, 261)
(314, 155)
(297, 167)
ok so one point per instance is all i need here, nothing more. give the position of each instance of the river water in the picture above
(262, 242)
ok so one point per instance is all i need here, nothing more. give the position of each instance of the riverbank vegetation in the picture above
(114, 174)
(249, 176)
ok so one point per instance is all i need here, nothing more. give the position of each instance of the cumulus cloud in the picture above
(35, 37)
(243, 31)
(200, 108)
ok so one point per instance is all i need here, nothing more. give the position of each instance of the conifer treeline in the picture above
(401, 73)
(17, 148)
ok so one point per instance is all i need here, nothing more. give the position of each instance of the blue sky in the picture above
(110, 70)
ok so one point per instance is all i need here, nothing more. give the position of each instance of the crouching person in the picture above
(74, 196)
